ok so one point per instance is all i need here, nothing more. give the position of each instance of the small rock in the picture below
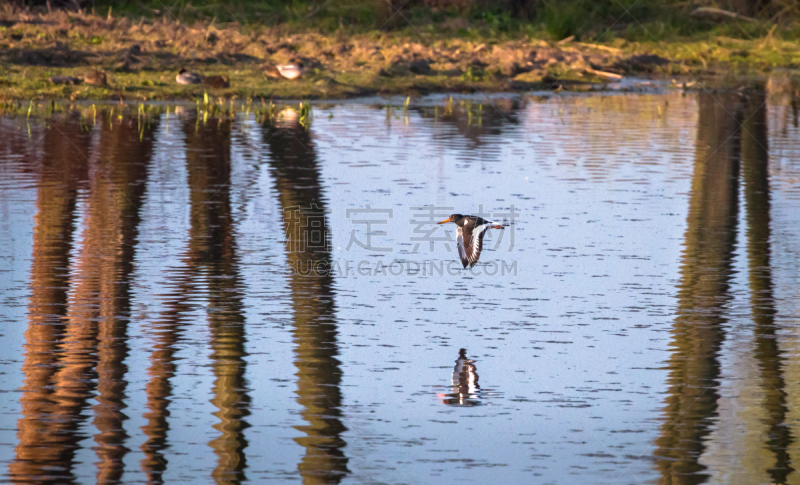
(217, 82)
(419, 66)
(641, 62)
(517, 68)
(95, 78)
(534, 76)
(130, 57)
(65, 80)
(509, 69)
(545, 55)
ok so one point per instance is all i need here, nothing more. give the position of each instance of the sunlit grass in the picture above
(449, 39)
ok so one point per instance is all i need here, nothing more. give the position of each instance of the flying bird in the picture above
(471, 230)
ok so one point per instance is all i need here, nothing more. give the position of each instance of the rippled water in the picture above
(165, 318)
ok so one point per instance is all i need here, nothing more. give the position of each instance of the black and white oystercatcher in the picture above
(471, 230)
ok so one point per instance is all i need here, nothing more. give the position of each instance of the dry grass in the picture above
(34, 47)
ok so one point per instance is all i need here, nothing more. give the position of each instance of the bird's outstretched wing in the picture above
(470, 244)
(464, 240)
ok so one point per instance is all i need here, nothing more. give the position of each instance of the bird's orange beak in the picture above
(445, 221)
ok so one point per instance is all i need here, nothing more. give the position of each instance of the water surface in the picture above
(195, 298)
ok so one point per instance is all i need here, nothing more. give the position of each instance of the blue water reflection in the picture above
(237, 298)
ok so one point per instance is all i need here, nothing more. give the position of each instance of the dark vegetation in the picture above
(595, 20)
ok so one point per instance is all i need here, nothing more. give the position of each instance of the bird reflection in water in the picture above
(465, 390)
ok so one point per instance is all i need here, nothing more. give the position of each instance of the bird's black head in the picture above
(457, 218)
(182, 71)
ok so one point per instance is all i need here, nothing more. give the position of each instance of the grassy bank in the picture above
(142, 53)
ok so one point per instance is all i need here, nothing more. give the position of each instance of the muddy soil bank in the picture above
(140, 60)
